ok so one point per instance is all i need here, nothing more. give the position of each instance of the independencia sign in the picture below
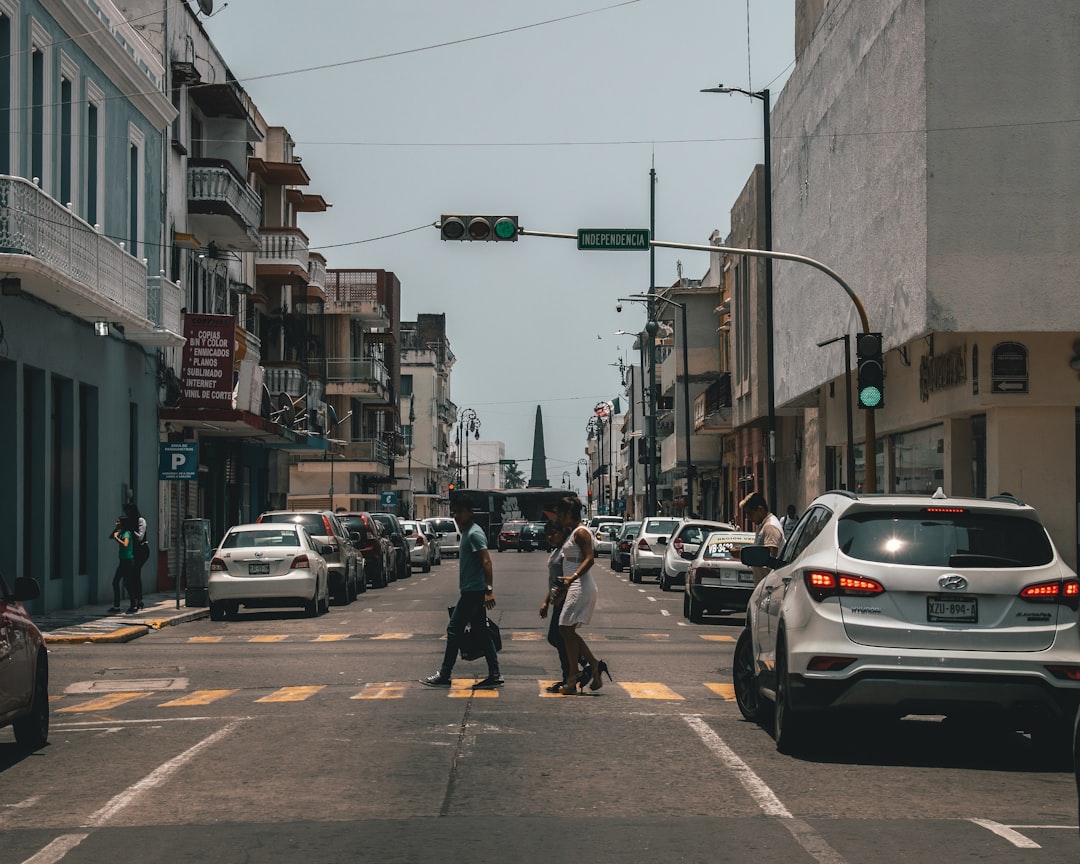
(623, 239)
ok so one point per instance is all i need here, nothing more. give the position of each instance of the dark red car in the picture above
(508, 534)
(376, 549)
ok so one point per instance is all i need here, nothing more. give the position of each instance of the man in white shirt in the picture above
(770, 532)
(788, 522)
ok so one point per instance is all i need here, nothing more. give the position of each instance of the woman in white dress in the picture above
(577, 552)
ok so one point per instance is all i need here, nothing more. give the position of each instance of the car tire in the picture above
(617, 567)
(311, 607)
(361, 584)
(686, 605)
(695, 612)
(32, 731)
(1051, 745)
(232, 609)
(634, 575)
(791, 729)
(217, 610)
(744, 678)
(323, 605)
(665, 582)
(342, 592)
(426, 566)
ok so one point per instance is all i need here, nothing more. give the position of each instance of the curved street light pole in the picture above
(468, 424)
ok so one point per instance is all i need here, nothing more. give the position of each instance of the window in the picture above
(69, 75)
(134, 191)
(406, 386)
(95, 112)
(37, 113)
(810, 525)
(5, 94)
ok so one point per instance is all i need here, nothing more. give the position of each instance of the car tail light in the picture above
(1066, 673)
(825, 583)
(300, 562)
(643, 546)
(828, 663)
(1065, 592)
(678, 544)
(419, 540)
(218, 566)
(327, 528)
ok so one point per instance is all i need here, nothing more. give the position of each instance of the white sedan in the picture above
(268, 564)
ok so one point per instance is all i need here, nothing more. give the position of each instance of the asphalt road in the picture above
(286, 739)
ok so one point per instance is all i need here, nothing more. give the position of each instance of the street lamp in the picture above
(660, 298)
(333, 423)
(566, 479)
(468, 424)
(763, 95)
(595, 429)
(849, 462)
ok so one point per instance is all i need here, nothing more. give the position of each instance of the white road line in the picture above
(664, 612)
(155, 778)
(766, 799)
(652, 599)
(57, 849)
(1004, 831)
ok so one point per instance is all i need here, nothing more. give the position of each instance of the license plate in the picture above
(952, 610)
(260, 568)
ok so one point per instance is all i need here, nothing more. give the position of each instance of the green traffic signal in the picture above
(478, 227)
(871, 370)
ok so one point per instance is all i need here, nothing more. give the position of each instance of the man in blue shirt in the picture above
(477, 596)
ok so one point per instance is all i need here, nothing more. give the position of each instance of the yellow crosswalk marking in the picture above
(649, 690)
(393, 636)
(543, 685)
(383, 690)
(292, 694)
(657, 636)
(526, 636)
(725, 690)
(102, 703)
(278, 638)
(462, 688)
(199, 697)
(708, 637)
(204, 639)
(331, 637)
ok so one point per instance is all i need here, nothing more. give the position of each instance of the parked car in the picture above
(418, 544)
(681, 548)
(344, 563)
(905, 604)
(24, 667)
(620, 554)
(532, 537)
(374, 547)
(508, 534)
(647, 554)
(433, 542)
(269, 564)
(604, 538)
(392, 526)
(446, 535)
(716, 579)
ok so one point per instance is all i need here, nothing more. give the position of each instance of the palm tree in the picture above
(514, 479)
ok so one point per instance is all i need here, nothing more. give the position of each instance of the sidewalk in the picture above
(95, 624)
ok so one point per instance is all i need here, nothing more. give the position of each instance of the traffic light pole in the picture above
(869, 423)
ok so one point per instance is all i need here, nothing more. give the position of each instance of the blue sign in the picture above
(178, 460)
(388, 499)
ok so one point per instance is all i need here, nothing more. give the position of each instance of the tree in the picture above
(513, 476)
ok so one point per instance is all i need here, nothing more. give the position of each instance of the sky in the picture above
(403, 110)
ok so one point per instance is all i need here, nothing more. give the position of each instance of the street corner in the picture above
(83, 633)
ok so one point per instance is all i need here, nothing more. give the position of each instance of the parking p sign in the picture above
(178, 460)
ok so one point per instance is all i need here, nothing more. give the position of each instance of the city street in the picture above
(287, 739)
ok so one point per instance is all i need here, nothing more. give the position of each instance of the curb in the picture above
(121, 634)
(158, 623)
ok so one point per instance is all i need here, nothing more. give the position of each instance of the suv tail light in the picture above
(329, 530)
(642, 545)
(1066, 592)
(300, 562)
(825, 583)
(218, 566)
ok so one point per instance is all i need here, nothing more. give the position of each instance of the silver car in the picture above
(268, 564)
(447, 535)
(647, 553)
(681, 548)
(418, 544)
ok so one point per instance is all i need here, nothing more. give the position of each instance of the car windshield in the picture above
(352, 523)
(927, 538)
(721, 547)
(443, 525)
(661, 526)
(251, 538)
(313, 522)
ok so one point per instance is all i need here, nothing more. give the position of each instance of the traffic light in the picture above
(871, 383)
(450, 488)
(458, 227)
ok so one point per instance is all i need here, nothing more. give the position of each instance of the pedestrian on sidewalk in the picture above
(142, 549)
(477, 595)
(125, 568)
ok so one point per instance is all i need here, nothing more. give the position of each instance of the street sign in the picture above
(178, 460)
(1009, 385)
(620, 239)
(388, 499)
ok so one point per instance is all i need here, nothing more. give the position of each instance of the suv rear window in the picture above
(660, 526)
(933, 539)
(443, 525)
(311, 521)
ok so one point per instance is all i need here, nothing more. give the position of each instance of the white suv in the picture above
(913, 605)
(647, 553)
(681, 548)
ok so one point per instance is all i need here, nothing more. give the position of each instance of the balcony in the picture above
(283, 253)
(163, 302)
(285, 378)
(221, 206)
(368, 380)
(712, 409)
(356, 294)
(317, 273)
(49, 252)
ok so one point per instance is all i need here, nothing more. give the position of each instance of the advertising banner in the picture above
(207, 367)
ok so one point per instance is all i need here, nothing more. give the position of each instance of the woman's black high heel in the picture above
(585, 677)
(601, 671)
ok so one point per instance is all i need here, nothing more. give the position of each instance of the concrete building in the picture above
(919, 152)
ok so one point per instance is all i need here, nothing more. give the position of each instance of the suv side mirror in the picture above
(326, 550)
(356, 537)
(26, 588)
(757, 556)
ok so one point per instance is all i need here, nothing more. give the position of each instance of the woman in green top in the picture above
(125, 570)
